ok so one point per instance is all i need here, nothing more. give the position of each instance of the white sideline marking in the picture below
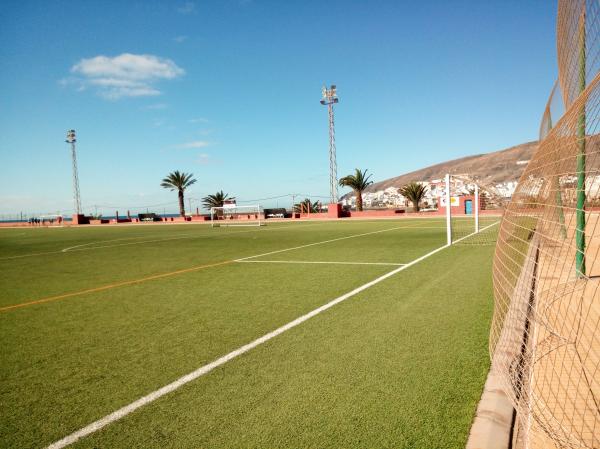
(318, 243)
(80, 247)
(473, 233)
(179, 237)
(151, 397)
(299, 224)
(182, 236)
(118, 240)
(314, 261)
(124, 411)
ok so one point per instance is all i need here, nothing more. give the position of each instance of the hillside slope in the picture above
(491, 168)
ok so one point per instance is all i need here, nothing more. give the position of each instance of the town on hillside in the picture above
(435, 189)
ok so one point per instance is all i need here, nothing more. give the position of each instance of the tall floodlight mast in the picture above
(76, 199)
(329, 98)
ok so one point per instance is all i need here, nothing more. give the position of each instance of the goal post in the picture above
(50, 220)
(448, 196)
(472, 210)
(234, 215)
(477, 205)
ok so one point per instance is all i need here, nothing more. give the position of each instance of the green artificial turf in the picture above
(402, 364)
(149, 250)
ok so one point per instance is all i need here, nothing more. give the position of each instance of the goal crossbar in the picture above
(465, 200)
(234, 215)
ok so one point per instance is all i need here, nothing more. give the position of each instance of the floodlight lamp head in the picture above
(329, 96)
(71, 136)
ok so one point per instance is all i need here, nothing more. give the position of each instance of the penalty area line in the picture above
(319, 243)
(205, 369)
(172, 273)
(321, 262)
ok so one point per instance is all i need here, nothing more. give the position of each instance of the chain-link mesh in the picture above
(545, 337)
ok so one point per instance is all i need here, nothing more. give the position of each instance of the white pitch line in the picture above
(70, 248)
(473, 233)
(126, 410)
(321, 262)
(299, 225)
(182, 236)
(319, 243)
(79, 247)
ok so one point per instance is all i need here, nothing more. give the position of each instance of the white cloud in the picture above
(187, 8)
(180, 39)
(126, 75)
(128, 66)
(194, 144)
(119, 92)
(198, 120)
(203, 159)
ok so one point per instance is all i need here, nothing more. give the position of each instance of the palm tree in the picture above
(307, 205)
(178, 181)
(414, 192)
(358, 182)
(216, 200)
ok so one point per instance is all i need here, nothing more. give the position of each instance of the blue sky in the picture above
(230, 89)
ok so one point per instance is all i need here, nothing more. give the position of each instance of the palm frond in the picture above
(414, 192)
(177, 180)
(215, 200)
(358, 182)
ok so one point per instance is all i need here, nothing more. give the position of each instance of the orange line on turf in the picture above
(115, 285)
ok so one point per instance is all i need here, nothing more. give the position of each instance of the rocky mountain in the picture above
(498, 167)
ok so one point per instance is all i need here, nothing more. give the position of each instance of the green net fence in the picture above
(545, 337)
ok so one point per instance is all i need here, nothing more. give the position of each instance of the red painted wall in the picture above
(460, 209)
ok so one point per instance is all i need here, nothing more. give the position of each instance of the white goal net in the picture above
(234, 215)
(49, 220)
(475, 210)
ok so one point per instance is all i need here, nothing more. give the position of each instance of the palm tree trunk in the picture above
(181, 207)
(359, 204)
(415, 206)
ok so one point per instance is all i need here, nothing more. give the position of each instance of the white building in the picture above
(436, 188)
